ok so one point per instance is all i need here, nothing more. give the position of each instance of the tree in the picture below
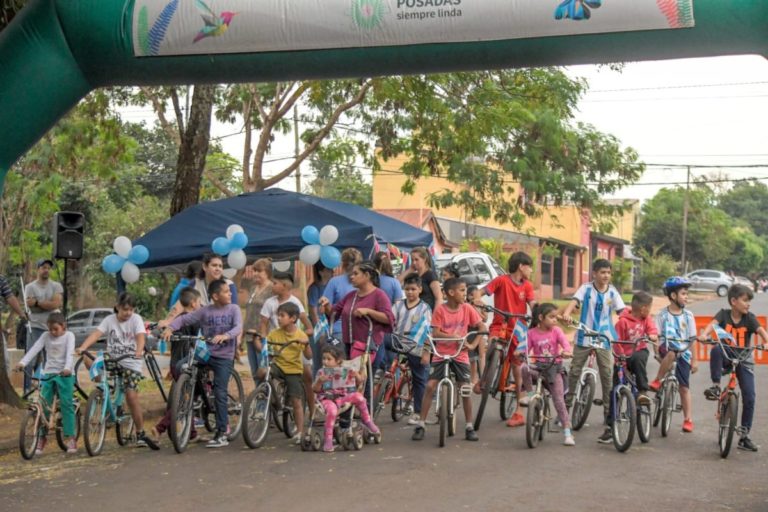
(336, 175)
(747, 201)
(506, 137)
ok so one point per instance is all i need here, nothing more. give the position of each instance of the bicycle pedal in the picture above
(597, 401)
(465, 391)
(678, 408)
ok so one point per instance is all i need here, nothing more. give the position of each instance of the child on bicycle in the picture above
(288, 365)
(635, 322)
(676, 322)
(453, 319)
(338, 386)
(545, 338)
(742, 325)
(125, 334)
(475, 299)
(189, 298)
(513, 293)
(59, 346)
(597, 301)
(221, 323)
(410, 315)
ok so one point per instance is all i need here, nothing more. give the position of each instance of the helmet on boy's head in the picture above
(673, 284)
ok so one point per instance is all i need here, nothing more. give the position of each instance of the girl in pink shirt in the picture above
(545, 338)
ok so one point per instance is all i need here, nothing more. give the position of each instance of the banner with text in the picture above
(187, 27)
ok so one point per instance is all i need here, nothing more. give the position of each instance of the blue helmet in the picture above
(673, 284)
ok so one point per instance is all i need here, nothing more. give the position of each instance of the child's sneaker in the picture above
(688, 426)
(745, 443)
(606, 437)
(418, 433)
(373, 429)
(516, 420)
(41, 445)
(143, 439)
(328, 445)
(414, 419)
(470, 434)
(712, 393)
(218, 441)
(569, 440)
(72, 445)
(655, 385)
(525, 401)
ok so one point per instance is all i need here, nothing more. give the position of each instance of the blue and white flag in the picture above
(420, 332)
(723, 335)
(98, 366)
(201, 351)
(521, 334)
(321, 327)
(264, 354)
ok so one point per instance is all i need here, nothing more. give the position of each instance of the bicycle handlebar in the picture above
(507, 315)
(461, 342)
(741, 353)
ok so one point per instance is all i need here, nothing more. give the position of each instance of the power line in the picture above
(687, 86)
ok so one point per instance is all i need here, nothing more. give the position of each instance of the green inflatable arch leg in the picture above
(56, 51)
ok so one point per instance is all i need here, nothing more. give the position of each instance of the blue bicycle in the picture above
(105, 406)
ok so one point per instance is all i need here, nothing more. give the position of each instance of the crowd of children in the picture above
(599, 305)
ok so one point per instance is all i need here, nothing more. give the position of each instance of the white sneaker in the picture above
(524, 401)
(569, 441)
(414, 419)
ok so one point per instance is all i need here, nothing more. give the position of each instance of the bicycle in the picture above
(728, 401)
(34, 426)
(396, 385)
(105, 407)
(538, 417)
(192, 395)
(584, 394)
(447, 396)
(497, 378)
(268, 400)
(665, 401)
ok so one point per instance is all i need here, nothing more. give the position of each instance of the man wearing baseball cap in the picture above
(44, 296)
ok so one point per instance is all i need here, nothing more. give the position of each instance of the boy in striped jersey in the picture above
(597, 301)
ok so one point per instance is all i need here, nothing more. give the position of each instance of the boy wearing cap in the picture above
(44, 296)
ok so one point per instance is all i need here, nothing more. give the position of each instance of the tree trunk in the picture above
(7, 393)
(193, 150)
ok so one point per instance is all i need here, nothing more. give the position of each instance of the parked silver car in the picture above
(82, 323)
(710, 281)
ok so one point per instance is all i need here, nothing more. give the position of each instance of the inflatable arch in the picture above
(56, 51)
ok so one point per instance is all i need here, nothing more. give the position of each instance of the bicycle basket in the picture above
(403, 345)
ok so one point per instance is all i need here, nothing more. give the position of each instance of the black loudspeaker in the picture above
(68, 239)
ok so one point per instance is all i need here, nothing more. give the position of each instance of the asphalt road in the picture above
(682, 472)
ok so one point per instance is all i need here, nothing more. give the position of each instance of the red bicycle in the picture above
(396, 385)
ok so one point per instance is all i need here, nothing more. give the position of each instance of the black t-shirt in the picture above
(427, 278)
(180, 349)
(743, 331)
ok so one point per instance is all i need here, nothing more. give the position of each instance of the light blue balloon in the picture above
(310, 235)
(138, 255)
(330, 256)
(238, 241)
(112, 264)
(221, 246)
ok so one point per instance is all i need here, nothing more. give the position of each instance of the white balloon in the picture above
(237, 259)
(130, 272)
(328, 235)
(281, 266)
(310, 254)
(122, 246)
(234, 228)
(229, 273)
(152, 291)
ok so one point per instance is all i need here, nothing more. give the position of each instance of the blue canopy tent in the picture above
(273, 220)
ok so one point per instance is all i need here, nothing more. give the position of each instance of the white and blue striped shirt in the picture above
(596, 310)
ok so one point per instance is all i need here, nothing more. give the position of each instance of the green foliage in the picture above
(337, 177)
(621, 275)
(747, 201)
(656, 268)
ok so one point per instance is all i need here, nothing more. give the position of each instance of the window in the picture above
(463, 267)
(546, 269)
(571, 268)
(78, 319)
(480, 266)
(99, 316)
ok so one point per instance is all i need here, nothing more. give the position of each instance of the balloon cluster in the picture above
(126, 259)
(232, 245)
(320, 247)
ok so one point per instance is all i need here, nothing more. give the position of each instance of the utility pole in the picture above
(685, 217)
(296, 146)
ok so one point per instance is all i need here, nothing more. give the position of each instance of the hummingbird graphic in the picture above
(215, 24)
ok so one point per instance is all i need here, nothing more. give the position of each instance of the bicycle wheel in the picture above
(533, 422)
(94, 423)
(60, 429)
(256, 416)
(644, 422)
(289, 422)
(235, 399)
(125, 429)
(154, 370)
(728, 413)
(487, 381)
(624, 419)
(507, 398)
(442, 413)
(582, 402)
(182, 412)
(277, 405)
(404, 399)
(545, 418)
(82, 377)
(667, 407)
(657, 401)
(381, 396)
(29, 433)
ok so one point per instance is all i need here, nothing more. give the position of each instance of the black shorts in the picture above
(459, 370)
(294, 384)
